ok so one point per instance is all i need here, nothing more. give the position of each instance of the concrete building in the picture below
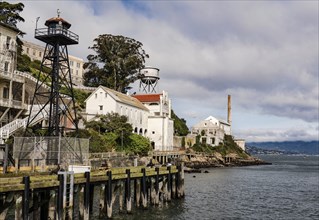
(241, 143)
(12, 85)
(36, 52)
(104, 100)
(160, 124)
(211, 130)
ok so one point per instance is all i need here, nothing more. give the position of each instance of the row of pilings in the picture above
(81, 196)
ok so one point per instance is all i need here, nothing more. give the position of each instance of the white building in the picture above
(160, 124)
(104, 100)
(241, 143)
(211, 130)
(36, 52)
(12, 86)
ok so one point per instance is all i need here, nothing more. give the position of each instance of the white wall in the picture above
(101, 102)
(161, 133)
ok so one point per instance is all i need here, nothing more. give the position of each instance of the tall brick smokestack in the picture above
(229, 110)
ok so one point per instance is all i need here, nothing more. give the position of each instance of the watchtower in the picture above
(57, 103)
(149, 79)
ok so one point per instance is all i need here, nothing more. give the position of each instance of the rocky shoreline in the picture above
(217, 160)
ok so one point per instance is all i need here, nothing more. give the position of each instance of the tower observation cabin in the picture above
(57, 31)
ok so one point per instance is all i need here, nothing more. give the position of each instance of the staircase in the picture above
(10, 128)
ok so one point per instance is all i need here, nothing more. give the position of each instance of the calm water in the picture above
(288, 189)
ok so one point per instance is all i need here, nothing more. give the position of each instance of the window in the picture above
(78, 65)
(105, 95)
(204, 140)
(153, 132)
(101, 107)
(95, 95)
(8, 42)
(27, 50)
(6, 66)
(40, 54)
(33, 53)
(71, 71)
(76, 72)
(71, 63)
(5, 93)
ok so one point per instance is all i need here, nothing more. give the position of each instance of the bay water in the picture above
(287, 189)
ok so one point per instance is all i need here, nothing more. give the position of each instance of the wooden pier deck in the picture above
(54, 196)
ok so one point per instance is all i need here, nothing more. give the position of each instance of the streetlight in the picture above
(36, 22)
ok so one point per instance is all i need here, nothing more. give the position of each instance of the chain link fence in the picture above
(51, 150)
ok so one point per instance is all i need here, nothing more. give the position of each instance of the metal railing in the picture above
(56, 31)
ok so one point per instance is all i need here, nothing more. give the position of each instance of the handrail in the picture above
(56, 31)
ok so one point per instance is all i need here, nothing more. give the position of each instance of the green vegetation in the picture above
(9, 13)
(113, 132)
(79, 95)
(229, 146)
(180, 126)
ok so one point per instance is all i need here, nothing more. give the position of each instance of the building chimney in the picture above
(229, 110)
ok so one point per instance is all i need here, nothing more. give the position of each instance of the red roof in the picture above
(148, 97)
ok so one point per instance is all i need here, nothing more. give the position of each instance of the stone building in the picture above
(211, 130)
(12, 85)
(36, 52)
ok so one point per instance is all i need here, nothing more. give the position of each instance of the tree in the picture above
(180, 126)
(116, 63)
(9, 13)
(114, 132)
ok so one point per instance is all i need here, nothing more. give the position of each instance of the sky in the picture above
(263, 53)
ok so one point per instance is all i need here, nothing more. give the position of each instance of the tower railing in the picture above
(41, 32)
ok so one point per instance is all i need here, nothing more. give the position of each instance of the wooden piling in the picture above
(26, 198)
(59, 210)
(36, 207)
(102, 200)
(44, 209)
(86, 196)
(144, 195)
(18, 208)
(173, 186)
(121, 195)
(156, 202)
(128, 199)
(108, 196)
(169, 184)
(137, 186)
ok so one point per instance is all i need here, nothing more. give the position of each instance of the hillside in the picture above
(288, 147)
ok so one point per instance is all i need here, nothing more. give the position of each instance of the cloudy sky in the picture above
(263, 53)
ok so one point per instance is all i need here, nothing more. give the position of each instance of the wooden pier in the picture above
(71, 196)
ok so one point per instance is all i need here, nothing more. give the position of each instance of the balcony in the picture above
(11, 76)
(58, 34)
(12, 103)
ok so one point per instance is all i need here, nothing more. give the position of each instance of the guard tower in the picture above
(57, 104)
(149, 79)
(52, 108)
